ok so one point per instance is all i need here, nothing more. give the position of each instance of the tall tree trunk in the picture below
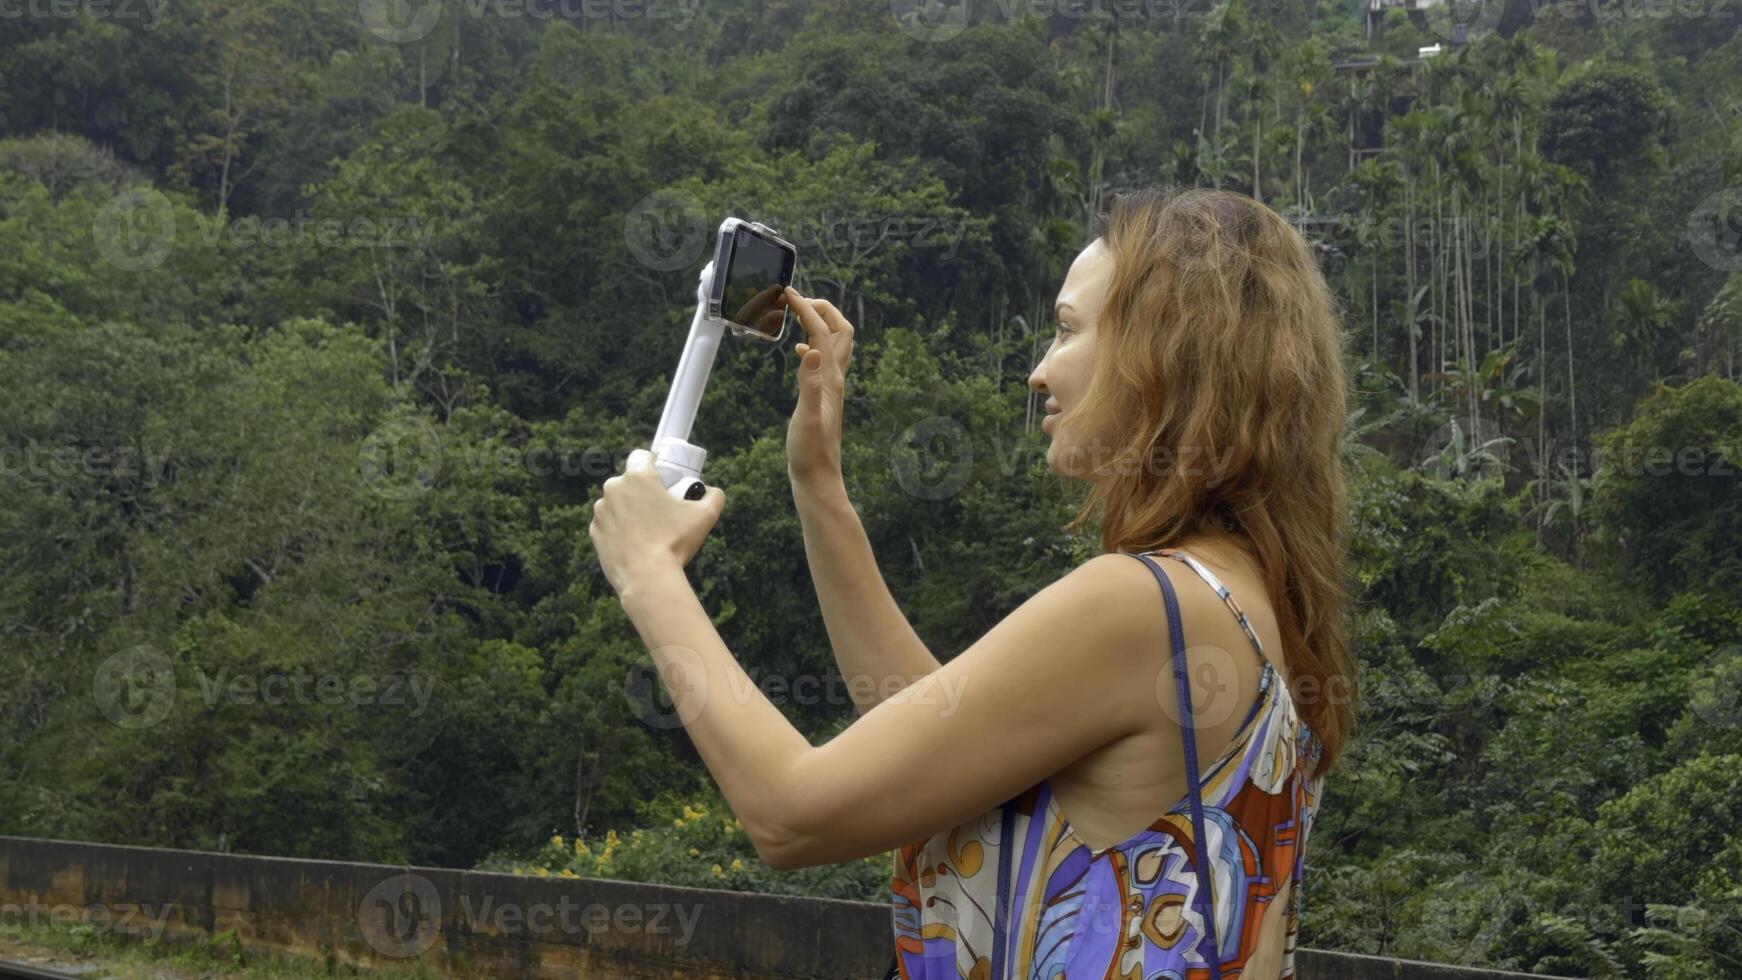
(1572, 387)
(1541, 407)
(1257, 126)
(1409, 293)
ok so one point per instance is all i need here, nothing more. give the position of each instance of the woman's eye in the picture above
(1061, 329)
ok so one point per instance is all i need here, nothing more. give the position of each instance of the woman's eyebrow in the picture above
(1062, 306)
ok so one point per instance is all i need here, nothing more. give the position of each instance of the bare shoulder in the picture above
(1218, 655)
(1120, 602)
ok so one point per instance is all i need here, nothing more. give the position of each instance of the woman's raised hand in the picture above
(813, 438)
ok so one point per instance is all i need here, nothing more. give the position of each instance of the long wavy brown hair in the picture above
(1219, 391)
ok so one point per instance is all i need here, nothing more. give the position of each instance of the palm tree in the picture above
(1644, 314)
(1224, 31)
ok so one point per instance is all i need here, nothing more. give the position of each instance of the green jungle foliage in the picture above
(317, 339)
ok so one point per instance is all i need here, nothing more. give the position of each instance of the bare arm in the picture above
(876, 648)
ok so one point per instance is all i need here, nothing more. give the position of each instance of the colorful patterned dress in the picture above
(1132, 911)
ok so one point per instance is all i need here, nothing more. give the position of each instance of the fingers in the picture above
(828, 328)
(840, 333)
(815, 327)
(836, 320)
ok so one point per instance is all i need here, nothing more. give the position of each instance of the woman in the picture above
(1036, 788)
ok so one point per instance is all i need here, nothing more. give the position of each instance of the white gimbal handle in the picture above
(679, 463)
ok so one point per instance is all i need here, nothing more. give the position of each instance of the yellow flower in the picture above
(677, 822)
(717, 870)
(611, 837)
(557, 841)
(581, 847)
(541, 872)
(569, 874)
(737, 864)
(695, 853)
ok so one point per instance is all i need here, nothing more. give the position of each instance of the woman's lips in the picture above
(1044, 421)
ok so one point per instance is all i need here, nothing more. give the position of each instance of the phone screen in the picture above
(757, 271)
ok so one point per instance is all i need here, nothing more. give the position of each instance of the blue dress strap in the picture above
(1000, 927)
(1205, 900)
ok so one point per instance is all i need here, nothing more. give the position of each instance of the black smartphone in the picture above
(752, 268)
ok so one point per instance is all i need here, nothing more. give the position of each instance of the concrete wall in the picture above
(472, 924)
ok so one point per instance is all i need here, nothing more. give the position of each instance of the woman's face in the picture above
(1063, 374)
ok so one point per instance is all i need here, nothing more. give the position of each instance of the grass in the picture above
(123, 957)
